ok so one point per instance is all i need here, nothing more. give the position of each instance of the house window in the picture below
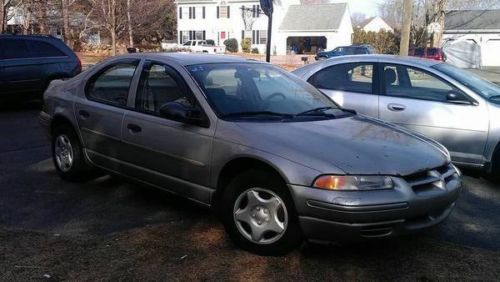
(262, 36)
(200, 35)
(223, 12)
(184, 36)
(256, 11)
(259, 36)
(192, 12)
(184, 12)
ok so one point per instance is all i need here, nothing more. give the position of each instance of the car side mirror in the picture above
(457, 98)
(180, 112)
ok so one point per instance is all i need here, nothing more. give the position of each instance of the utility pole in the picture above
(268, 7)
(405, 31)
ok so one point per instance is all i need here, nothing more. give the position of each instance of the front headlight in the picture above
(353, 183)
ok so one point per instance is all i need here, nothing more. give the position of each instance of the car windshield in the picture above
(251, 90)
(483, 87)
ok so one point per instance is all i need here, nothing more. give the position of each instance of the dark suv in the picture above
(346, 50)
(28, 63)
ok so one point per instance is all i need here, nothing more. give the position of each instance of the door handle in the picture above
(84, 114)
(134, 128)
(396, 107)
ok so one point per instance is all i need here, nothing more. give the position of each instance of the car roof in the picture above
(187, 59)
(29, 36)
(377, 58)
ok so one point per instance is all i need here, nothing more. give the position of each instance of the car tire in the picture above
(67, 155)
(259, 214)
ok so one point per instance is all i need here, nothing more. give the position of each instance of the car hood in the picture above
(355, 145)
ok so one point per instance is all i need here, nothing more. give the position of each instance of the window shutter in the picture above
(228, 11)
(180, 12)
(253, 11)
(194, 12)
(257, 39)
(218, 12)
(243, 11)
(180, 37)
(253, 36)
(204, 35)
(242, 35)
(258, 11)
(190, 13)
(203, 12)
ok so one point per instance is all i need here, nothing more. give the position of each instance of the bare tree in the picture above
(358, 19)
(406, 29)
(129, 24)
(4, 8)
(247, 15)
(108, 14)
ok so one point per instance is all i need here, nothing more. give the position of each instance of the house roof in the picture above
(366, 22)
(320, 17)
(468, 20)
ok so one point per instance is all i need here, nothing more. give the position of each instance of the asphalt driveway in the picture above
(110, 229)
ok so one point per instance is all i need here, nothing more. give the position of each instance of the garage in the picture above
(306, 45)
(490, 53)
(479, 26)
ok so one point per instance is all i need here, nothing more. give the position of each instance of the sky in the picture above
(367, 7)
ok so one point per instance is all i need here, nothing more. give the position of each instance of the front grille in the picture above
(431, 179)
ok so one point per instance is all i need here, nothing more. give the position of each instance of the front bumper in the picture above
(357, 215)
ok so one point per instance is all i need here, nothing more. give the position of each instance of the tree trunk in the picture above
(113, 27)
(129, 21)
(65, 11)
(4, 9)
(406, 29)
(2, 16)
(43, 20)
(440, 17)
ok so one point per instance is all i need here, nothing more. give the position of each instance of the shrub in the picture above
(384, 42)
(255, 50)
(246, 44)
(231, 45)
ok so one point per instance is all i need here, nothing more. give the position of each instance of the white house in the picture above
(480, 29)
(296, 27)
(375, 24)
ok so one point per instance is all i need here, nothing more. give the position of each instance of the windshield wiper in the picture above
(315, 111)
(258, 113)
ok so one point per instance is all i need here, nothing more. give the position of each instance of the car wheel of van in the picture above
(67, 155)
(259, 214)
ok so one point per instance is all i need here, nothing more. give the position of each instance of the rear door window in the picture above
(44, 49)
(353, 77)
(112, 85)
(15, 49)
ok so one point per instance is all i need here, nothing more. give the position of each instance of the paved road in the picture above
(109, 229)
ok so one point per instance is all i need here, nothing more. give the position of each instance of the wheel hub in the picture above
(260, 216)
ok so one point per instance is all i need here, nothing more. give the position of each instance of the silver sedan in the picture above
(452, 106)
(274, 156)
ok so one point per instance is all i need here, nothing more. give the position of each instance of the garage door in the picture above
(490, 53)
